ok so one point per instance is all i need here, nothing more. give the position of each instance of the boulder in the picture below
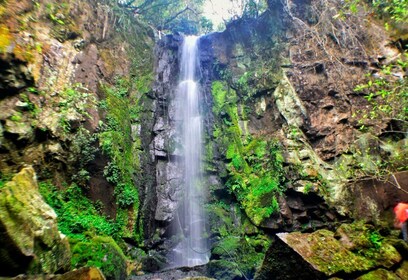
(379, 274)
(353, 250)
(29, 238)
(83, 273)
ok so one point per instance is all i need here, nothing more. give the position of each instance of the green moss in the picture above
(219, 95)
(350, 250)
(77, 216)
(255, 171)
(224, 270)
(240, 253)
(121, 147)
(101, 252)
(379, 274)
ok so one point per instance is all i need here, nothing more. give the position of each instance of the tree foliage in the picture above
(174, 15)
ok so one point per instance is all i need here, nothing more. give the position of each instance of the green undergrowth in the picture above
(121, 145)
(239, 247)
(78, 217)
(101, 252)
(254, 165)
(93, 237)
(387, 93)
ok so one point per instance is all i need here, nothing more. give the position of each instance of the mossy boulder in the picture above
(101, 252)
(354, 249)
(29, 238)
(379, 274)
(224, 270)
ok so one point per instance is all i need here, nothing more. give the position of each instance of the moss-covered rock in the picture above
(354, 249)
(101, 252)
(330, 256)
(379, 274)
(402, 271)
(224, 270)
(30, 240)
(84, 273)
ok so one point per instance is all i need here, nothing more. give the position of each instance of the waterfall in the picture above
(193, 248)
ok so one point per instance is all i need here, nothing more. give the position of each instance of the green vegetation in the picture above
(115, 138)
(395, 9)
(240, 247)
(73, 103)
(77, 215)
(255, 171)
(82, 152)
(92, 236)
(101, 252)
(171, 15)
(63, 25)
(388, 10)
(387, 93)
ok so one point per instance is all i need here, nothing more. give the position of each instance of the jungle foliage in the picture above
(255, 165)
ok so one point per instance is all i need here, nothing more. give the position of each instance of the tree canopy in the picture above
(174, 15)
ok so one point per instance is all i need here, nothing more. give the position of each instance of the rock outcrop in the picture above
(30, 240)
(353, 250)
(84, 273)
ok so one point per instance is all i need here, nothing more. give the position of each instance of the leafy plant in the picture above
(116, 142)
(77, 216)
(255, 165)
(395, 9)
(376, 239)
(126, 195)
(387, 95)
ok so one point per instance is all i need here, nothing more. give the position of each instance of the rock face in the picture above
(30, 240)
(353, 250)
(373, 199)
(295, 95)
(161, 193)
(51, 79)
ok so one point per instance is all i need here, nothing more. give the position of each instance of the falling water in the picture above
(193, 249)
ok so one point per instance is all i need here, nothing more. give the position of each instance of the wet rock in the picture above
(169, 188)
(224, 270)
(22, 129)
(301, 211)
(374, 199)
(282, 263)
(196, 273)
(355, 249)
(30, 240)
(14, 76)
(153, 262)
(159, 145)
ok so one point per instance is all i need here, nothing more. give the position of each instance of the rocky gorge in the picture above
(304, 150)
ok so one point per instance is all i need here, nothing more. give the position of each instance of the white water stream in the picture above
(193, 249)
